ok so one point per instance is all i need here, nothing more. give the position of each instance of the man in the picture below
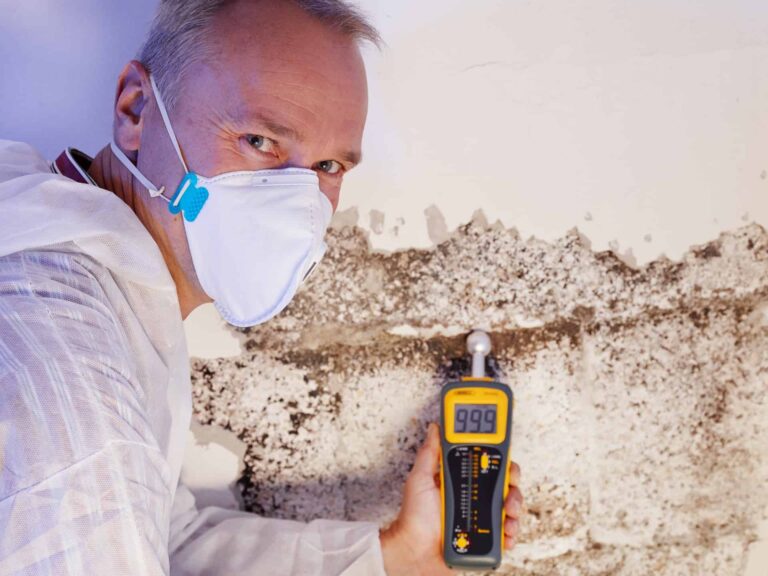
(231, 137)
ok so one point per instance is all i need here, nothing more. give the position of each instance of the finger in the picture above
(511, 529)
(514, 474)
(427, 463)
(514, 503)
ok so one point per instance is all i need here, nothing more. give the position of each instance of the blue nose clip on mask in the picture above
(189, 199)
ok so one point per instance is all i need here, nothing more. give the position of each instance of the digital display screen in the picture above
(474, 419)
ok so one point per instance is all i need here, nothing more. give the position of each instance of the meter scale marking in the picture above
(474, 472)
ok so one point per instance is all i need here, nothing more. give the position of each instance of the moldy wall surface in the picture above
(641, 400)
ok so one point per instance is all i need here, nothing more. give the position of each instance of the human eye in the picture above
(261, 143)
(329, 166)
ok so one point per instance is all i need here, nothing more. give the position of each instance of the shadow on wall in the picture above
(640, 393)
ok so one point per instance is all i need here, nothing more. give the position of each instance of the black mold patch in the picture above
(641, 390)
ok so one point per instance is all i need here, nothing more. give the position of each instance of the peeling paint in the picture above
(213, 484)
(641, 395)
(377, 221)
(345, 218)
(436, 226)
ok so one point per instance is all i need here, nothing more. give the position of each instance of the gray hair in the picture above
(179, 29)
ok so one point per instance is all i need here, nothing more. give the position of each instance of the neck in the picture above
(110, 174)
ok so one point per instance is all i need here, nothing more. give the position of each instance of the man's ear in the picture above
(133, 93)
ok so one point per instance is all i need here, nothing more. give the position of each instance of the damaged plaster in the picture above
(641, 398)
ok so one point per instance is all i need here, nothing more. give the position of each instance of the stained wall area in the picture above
(641, 398)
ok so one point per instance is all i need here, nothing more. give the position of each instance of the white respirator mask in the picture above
(254, 236)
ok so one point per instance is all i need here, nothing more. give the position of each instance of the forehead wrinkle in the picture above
(244, 118)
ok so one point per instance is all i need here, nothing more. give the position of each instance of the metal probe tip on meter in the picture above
(476, 427)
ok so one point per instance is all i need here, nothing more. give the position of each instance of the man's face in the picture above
(279, 89)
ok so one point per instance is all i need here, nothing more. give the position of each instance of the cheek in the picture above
(157, 159)
(332, 191)
(204, 152)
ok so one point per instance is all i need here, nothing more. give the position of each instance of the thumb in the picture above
(427, 459)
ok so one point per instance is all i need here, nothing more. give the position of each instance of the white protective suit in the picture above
(95, 405)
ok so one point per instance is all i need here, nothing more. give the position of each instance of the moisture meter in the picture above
(476, 426)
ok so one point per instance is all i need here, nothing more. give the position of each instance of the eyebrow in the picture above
(245, 119)
(352, 156)
(277, 128)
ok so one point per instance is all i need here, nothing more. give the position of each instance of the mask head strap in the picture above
(153, 191)
(167, 122)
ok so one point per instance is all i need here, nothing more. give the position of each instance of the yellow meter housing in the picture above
(476, 428)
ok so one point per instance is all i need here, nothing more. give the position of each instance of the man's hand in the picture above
(411, 545)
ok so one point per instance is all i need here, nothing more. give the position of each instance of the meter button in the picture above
(461, 543)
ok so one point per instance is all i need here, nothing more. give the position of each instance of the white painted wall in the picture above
(59, 63)
(642, 123)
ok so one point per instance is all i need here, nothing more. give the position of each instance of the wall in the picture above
(60, 66)
(640, 393)
(582, 127)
